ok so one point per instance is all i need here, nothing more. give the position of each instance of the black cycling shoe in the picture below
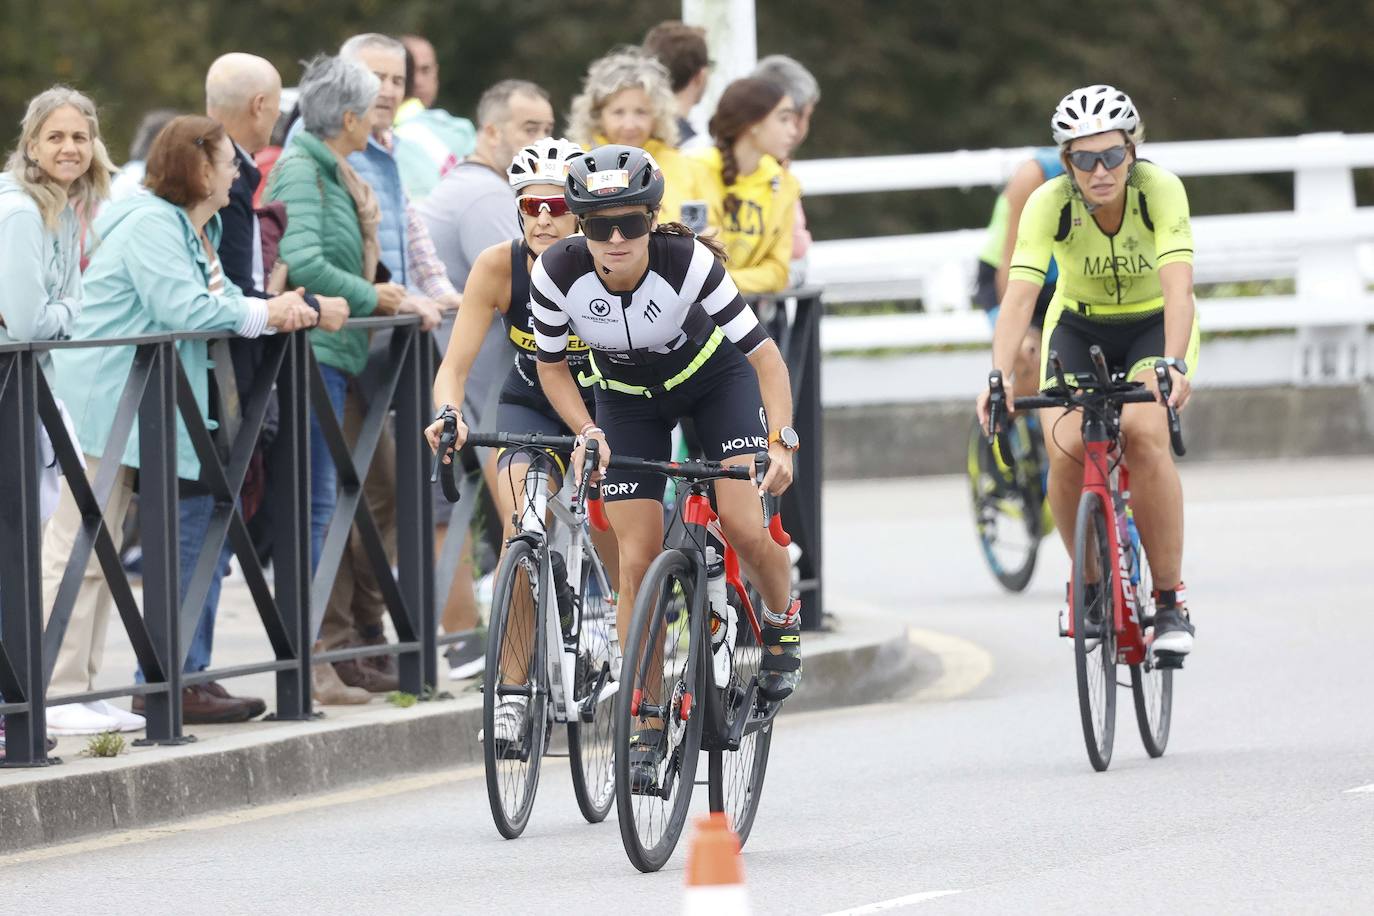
(648, 747)
(780, 673)
(1173, 632)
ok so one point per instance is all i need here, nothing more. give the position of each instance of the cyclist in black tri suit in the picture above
(499, 284)
(671, 338)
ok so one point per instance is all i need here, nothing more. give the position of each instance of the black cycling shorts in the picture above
(1128, 344)
(523, 420)
(722, 398)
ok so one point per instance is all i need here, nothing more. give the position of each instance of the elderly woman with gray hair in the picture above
(330, 247)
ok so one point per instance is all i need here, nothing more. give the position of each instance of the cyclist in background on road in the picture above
(994, 262)
(1119, 229)
(655, 305)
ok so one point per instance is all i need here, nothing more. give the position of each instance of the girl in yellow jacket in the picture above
(751, 199)
(627, 98)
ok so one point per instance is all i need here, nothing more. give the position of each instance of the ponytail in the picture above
(716, 248)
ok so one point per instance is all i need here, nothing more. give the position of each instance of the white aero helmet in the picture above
(1094, 110)
(544, 161)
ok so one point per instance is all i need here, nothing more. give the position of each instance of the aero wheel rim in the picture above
(596, 693)
(517, 763)
(653, 814)
(1094, 630)
(739, 768)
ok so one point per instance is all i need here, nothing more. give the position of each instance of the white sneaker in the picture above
(79, 719)
(507, 718)
(128, 721)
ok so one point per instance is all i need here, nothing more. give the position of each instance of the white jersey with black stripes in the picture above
(658, 325)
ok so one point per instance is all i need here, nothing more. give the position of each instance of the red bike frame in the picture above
(1105, 475)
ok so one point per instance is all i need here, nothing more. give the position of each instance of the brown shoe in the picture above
(201, 707)
(383, 663)
(256, 707)
(355, 672)
(328, 690)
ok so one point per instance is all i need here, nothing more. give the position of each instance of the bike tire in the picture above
(1152, 687)
(650, 825)
(591, 744)
(1095, 665)
(735, 778)
(512, 781)
(996, 505)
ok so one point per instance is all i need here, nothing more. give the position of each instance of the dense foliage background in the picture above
(896, 76)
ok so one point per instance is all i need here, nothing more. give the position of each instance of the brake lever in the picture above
(997, 399)
(444, 473)
(1166, 392)
(765, 501)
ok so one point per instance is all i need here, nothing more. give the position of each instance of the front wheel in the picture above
(1094, 630)
(514, 698)
(658, 697)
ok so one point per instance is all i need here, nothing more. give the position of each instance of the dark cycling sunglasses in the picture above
(631, 226)
(1087, 160)
(532, 206)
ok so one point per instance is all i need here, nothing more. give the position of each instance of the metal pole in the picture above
(158, 534)
(290, 469)
(21, 589)
(414, 512)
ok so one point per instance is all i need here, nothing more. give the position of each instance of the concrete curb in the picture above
(871, 659)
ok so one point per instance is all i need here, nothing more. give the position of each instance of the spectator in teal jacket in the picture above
(60, 164)
(154, 271)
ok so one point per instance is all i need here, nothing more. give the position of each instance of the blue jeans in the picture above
(324, 478)
(193, 520)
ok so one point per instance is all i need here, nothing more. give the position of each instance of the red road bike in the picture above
(1109, 594)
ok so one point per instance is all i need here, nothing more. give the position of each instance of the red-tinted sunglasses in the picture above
(532, 206)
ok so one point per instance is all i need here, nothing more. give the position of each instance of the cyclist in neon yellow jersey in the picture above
(1119, 230)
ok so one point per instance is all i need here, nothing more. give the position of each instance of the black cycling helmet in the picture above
(613, 176)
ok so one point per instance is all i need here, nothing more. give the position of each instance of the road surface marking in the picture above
(894, 903)
(1368, 788)
(246, 816)
(963, 664)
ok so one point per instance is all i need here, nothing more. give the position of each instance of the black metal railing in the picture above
(156, 393)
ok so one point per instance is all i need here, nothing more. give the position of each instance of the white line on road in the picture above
(232, 818)
(1368, 788)
(894, 903)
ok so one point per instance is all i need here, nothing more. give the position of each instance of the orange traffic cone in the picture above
(715, 874)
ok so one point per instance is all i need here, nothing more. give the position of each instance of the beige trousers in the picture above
(83, 646)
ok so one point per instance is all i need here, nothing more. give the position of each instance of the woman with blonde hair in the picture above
(59, 166)
(627, 98)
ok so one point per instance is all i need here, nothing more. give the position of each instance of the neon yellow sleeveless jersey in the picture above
(1114, 275)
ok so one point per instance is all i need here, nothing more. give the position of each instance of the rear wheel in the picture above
(736, 777)
(658, 690)
(1151, 686)
(1006, 509)
(1094, 630)
(591, 723)
(514, 697)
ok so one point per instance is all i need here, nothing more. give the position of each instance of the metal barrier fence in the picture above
(156, 393)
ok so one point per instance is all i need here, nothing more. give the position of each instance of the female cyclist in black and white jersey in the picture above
(670, 338)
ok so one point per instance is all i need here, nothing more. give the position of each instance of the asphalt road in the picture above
(972, 795)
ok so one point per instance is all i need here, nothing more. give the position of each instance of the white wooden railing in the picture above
(1325, 245)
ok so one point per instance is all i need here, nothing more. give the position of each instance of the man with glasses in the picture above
(471, 209)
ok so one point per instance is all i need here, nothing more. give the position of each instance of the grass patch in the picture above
(402, 699)
(105, 744)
